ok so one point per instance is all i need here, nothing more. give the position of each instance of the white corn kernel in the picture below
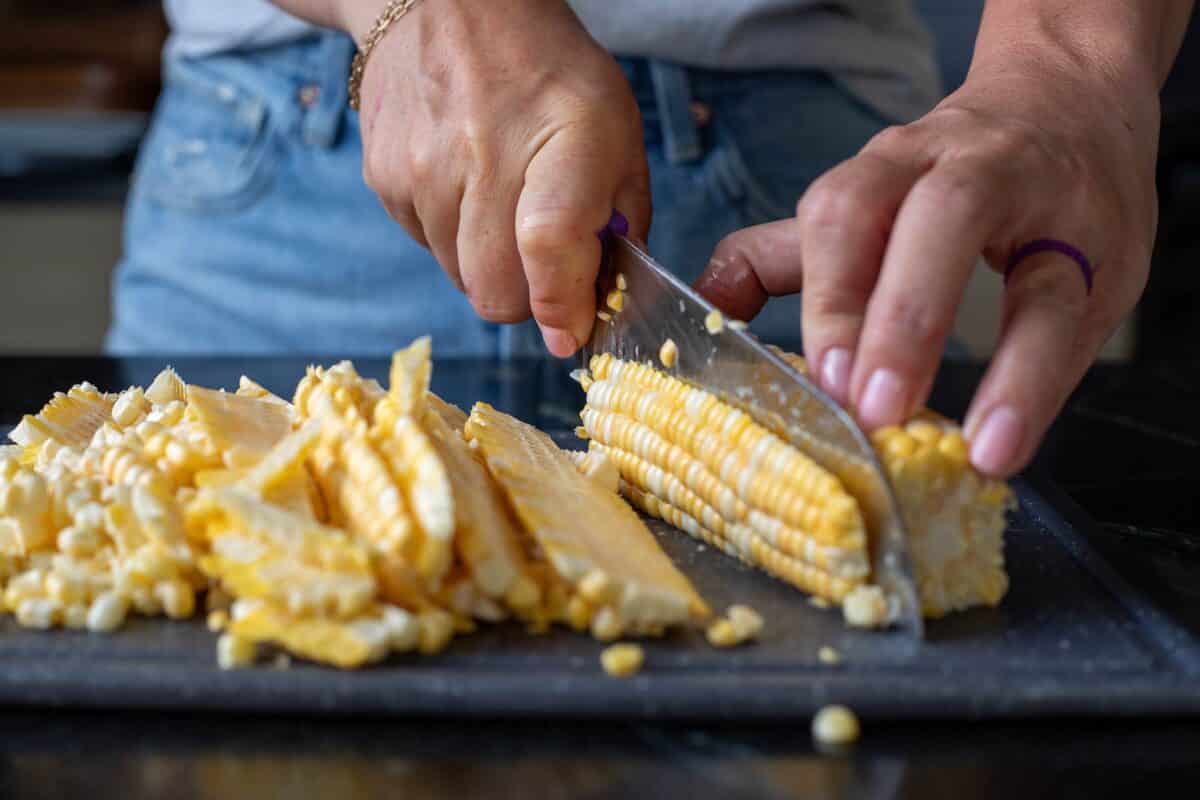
(177, 598)
(38, 612)
(107, 613)
(835, 725)
(217, 620)
(827, 655)
(130, 407)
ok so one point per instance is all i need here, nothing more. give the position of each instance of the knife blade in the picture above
(739, 370)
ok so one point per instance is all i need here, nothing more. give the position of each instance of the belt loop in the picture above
(323, 119)
(673, 96)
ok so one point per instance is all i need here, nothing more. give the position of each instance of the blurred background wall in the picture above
(78, 80)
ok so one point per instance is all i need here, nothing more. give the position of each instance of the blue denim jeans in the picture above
(249, 228)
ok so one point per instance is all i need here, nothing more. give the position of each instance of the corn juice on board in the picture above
(1067, 638)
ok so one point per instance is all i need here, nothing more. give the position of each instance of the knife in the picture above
(735, 367)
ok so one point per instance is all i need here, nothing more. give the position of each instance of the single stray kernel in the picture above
(827, 655)
(581, 432)
(816, 601)
(604, 316)
(835, 725)
(622, 660)
(865, 607)
(747, 623)
(714, 322)
(615, 300)
(737, 325)
(668, 353)
(721, 633)
(217, 620)
(622, 284)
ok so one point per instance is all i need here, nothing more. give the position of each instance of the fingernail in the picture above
(559, 342)
(835, 373)
(998, 441)
(884, 401)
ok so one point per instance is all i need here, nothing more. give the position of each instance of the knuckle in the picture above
(830, 206)
(916, 324)
(553, 312)
(895, 139)
(499, 310)
(962, 189)
(549, 233)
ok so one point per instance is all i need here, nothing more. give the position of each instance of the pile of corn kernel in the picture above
(346, 525)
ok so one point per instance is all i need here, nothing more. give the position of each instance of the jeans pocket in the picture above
(208, 149)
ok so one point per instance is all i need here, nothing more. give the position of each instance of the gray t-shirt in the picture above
(877, 48)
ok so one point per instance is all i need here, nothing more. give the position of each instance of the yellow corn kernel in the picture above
(721, 633)
(835, 725)
(607, 625)
(615, 300)
(714, 322)
(622, 660)
(746, 622)
(217, 620)
(75, 616)
(604, 316)
(177, 598)
(235, 651)
(668, 353)
(579, 613)
(622, 283)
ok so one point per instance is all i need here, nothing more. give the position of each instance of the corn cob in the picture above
(620, 578)
(709, 469)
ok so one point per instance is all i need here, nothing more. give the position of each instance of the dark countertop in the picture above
(1126, 450)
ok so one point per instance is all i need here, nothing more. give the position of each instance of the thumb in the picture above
(752, 265)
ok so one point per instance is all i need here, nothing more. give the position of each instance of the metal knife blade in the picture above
(742, 372)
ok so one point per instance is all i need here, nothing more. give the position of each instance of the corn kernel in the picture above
(604, 316)
(835, 725)
(747, 623)
(714, 322)
(615, 300)
(176, 597)
(38, 612)
(107, 613)
(217, 620)
(721, 633)
(579, 613)
(622, 660)
(736, 325)
(668, 354)
(597, 588)
(607, 625)
(827, 655)
(622, 283)
(235, 651)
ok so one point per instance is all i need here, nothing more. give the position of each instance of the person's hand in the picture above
(501, 136)
(883, 246)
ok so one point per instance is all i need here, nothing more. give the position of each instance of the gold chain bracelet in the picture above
(393, 11)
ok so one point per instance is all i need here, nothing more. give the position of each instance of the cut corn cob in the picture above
(487, 538)
(711, 470)
(584, 530)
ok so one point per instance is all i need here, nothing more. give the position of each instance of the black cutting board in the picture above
(1071, 637)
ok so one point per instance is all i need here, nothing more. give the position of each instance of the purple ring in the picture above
(1051, 246)
(617, 225)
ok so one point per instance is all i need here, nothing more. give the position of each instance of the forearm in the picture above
(1130, 43)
